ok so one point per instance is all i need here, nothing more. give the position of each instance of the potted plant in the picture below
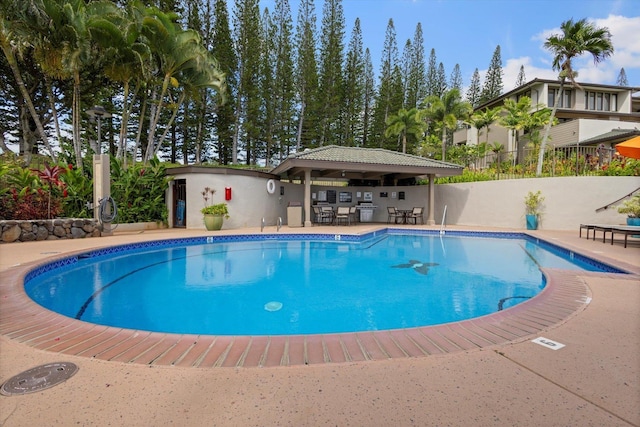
(215, 214)
(533, 202)
(631, 207)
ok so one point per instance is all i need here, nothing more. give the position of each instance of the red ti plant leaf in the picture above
(50, 175)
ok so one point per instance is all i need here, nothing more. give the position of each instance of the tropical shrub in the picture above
(631, 207)
(621, 167)
(533, 201)
(30, 193)
(79, 194)
(35, 204)
(468, 175)
(139, 191)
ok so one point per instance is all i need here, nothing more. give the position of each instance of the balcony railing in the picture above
(559, 161)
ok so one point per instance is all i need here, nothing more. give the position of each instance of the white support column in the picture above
(307, 198)
(432, 200)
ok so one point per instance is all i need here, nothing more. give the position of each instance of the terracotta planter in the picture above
(213, 222)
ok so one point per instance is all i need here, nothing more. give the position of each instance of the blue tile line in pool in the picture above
(355, 238)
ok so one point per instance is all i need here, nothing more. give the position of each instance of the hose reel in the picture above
(107, 210)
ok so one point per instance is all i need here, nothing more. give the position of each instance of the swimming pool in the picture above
(231, 285)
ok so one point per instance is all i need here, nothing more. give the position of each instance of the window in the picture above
(566, 99)
(564, 102)
(601, 101)
(527, 93)
(591, 96)
(552, 98)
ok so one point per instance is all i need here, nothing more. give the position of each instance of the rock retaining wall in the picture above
(48, 229)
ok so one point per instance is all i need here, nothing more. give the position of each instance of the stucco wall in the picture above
(569, 201)
(250, 201)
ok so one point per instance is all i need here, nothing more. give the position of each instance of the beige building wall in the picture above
(564, 133)
(590, 128)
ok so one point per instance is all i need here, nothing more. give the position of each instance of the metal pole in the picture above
(577, 149)
(99, 116)
(99, 112)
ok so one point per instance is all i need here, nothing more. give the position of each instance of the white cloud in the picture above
(512, 69)
(626, 43)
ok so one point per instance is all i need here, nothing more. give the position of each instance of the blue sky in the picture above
(467, 32)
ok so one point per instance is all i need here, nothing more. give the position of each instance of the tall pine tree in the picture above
(473, 93)
(284, 83)
(622, 78)
(455, 81)
(405, 65)
(331, 62)
(267, 124)
(521, 77)
(189, 128)
(247, 41)
(441, 86)
(368, 100)
(354, 85)
(384, 99)
(306, 77)
(222, 49)
(432, 75)
(417, 77)
(493, 86)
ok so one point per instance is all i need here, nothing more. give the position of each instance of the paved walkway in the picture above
(593, 380)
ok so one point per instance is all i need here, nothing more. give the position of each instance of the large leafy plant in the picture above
(139, 191)
(30, 193)
(533, 202)
(49, 177)
(631, 207)
(79, 194)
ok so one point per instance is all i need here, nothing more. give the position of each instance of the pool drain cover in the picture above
(39, 378)
(273, 306)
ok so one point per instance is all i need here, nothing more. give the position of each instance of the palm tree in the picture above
(405, 122)
(484, 119)
(497, 149)
(206, 75)
(15, 34)
(518, 116)
(182, 62)
(445, 112)
(576, 39)
(128, 61)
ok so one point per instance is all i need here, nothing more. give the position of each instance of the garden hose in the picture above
(108, 211)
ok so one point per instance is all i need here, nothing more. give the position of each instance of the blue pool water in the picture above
(270, 286)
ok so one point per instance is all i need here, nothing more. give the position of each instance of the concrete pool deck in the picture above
(593, 380)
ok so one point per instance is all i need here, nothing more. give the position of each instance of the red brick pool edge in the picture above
(24, 321)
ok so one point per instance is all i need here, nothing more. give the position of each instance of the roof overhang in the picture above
(345, 163)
